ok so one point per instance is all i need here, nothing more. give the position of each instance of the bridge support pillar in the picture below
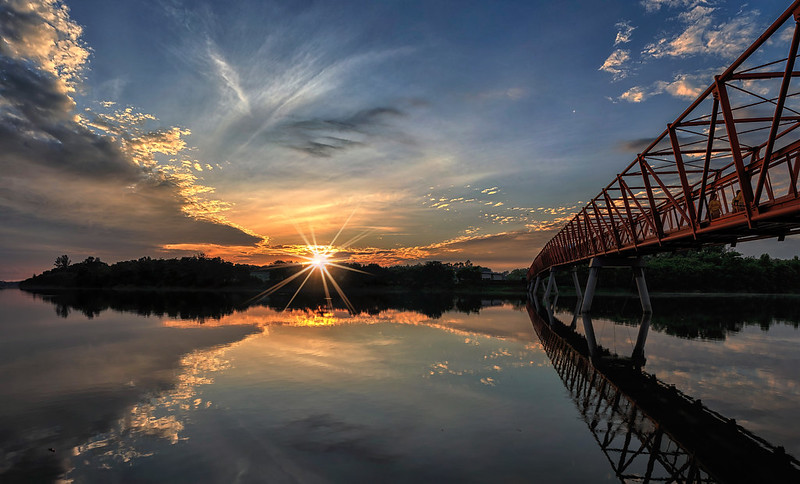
(535, 287)
(635, 263)
(588, 330)
(638, 350)
(551, 286)
(641, 286)
(591, 285)
(578, 292)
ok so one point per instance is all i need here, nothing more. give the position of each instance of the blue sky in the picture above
(437, 130)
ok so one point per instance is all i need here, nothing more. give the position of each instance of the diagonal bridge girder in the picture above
(740, 134)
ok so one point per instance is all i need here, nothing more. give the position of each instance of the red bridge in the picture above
(740, 135)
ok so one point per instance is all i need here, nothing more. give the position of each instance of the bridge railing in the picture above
(740, 135)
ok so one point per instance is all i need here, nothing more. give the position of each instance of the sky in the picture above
(405, 131)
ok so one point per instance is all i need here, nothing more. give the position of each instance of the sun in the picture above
(318, 259)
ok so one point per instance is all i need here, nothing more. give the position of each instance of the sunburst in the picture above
(318, 258)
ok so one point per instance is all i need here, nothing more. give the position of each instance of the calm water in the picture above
(191, 388)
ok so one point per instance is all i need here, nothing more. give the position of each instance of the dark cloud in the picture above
(635, 146)
(324, 137)
(327, 146)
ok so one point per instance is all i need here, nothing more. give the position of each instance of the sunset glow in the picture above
(167, 138)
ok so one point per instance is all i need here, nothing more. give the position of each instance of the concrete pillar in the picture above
(551, 283)
(577, 284)
(638, 350)
(591, 284)
(641, 286)
(588, 330)
(575, 313)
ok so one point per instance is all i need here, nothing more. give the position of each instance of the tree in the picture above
(62, 262)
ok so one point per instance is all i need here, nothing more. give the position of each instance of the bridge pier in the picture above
(638, 350)
(551, 285)
(635, 263)
(535, 287)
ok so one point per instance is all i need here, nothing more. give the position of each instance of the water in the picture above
(425, 388)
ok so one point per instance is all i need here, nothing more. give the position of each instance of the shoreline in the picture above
(504, 290)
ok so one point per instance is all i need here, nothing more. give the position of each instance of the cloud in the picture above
(634, 145)
(700, 33)
(624, 32)
(105, 174)
(684, 86)
(228, 75)
(42, 32)
(615, 64)
(324, 137)
(655, 5)
(703, 35)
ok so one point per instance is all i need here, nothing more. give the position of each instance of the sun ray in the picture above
(298, 289)
(313, 236)
(347, 268)
(328, 299)
(278, 285)
(318, 257)
(356, 238)
(302, 235)
(333, 241)
(339, 290)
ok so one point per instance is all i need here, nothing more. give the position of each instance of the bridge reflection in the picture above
(648, 430)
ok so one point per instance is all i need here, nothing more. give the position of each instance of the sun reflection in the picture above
(317, 259)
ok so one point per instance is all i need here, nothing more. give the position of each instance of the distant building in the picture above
(488, 275)
(263, 274)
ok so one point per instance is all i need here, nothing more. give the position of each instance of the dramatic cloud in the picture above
(42, 32)
(99, 171)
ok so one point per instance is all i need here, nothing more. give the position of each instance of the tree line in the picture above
(200, 271)
(710, 269)
(197, 271)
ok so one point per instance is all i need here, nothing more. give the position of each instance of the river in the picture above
(183, 387)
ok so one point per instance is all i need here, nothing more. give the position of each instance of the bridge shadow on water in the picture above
(649, 430)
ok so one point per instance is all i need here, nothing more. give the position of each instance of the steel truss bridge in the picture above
(740, 134)
(650, 431)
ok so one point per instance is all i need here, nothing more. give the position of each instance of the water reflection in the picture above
(699, 316)
(650, 431)
(134, 387)
(207, 306)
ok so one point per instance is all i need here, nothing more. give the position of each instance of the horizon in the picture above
(396, 133)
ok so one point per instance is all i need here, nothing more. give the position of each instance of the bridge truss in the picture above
(740, 134)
